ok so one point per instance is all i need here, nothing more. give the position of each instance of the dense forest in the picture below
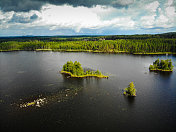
(163, 43)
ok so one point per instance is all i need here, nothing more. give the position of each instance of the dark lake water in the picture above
(96, 104)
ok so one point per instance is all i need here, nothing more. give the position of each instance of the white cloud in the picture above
(148, 21)
(152, 6)
(170, 2)
(6, 15)
(170, 11)
(167, 15)
(4, 18)
(162, 21)
(68, 16)
(157, 16)
(81, 17)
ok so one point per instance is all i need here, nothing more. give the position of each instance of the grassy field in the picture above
(84, 76)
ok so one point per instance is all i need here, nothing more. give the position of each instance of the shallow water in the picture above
(85, 104)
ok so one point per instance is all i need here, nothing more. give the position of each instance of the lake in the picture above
(88, 104)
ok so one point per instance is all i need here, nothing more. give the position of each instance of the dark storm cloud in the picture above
(20, 5)
(33, 17)
(27, 5)
(22, 19)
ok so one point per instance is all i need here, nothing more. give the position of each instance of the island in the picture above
(75, 70)
(163, 65)
(130, 91)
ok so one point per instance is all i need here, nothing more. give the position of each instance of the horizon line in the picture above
(83, 35)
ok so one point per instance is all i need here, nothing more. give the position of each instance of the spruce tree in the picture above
(130, 91)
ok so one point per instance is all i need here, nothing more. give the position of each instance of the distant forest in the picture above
(114, 43)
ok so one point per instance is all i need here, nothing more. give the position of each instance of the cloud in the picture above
(170, 3)
(66, 17)
(33, 17)
(20, 5)
(70, 17)
(167, 15)
(159, 14)
(87, 16)
(21, 18)
(27, 5)
(153, 6)
(147, 21)
(122, 3)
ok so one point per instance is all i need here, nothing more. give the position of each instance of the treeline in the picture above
(120, 45)
(170, 35)
(50, 38)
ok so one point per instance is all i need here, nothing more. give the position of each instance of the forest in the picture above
(133, 44)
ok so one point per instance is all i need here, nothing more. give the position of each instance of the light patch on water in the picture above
(61, 96)
(38, 103)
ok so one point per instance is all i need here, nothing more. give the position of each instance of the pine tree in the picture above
(130, 91)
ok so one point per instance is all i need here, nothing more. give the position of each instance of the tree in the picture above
(151, 67)
(157, 62)
(75, 68)
(162, 65)
(98, 72)
(130, 91)
(70, 66)
(170, 64)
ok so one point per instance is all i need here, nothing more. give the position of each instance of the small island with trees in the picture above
(75, 70)
(130, 91)
(163, 65)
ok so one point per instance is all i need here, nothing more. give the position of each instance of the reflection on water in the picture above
(162, 74)
(130, 100)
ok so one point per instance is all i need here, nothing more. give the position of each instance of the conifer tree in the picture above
(130, 91)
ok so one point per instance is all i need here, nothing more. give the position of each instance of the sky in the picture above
(86, 17)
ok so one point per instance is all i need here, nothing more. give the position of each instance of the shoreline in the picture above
(156, 53)
(94, 51)
(161, 70)
(83, 76)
